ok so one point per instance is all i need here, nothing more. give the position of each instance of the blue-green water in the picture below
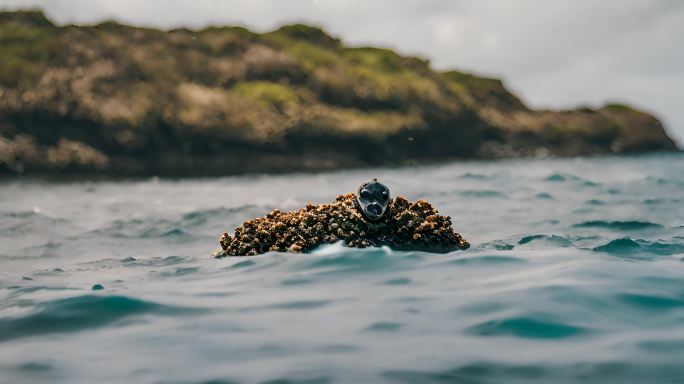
(575, 275)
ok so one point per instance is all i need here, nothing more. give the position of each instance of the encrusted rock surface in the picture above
(406, 226)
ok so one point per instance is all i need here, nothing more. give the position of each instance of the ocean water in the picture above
(575, 274)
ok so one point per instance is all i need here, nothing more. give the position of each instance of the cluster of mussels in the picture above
(405, 226)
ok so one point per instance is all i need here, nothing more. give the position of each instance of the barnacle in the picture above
(406, 226)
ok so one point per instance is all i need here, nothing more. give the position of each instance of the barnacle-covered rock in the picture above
(405, 226)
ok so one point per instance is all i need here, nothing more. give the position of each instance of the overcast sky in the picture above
(554, 54)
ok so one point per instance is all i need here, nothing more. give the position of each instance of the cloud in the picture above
(555, 54)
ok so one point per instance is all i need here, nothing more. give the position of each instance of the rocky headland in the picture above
(120, 100)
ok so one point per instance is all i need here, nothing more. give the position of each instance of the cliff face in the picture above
(125, 100)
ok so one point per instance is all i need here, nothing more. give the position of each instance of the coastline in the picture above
(127, 101)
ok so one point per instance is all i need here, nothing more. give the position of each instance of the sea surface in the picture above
(575, 274)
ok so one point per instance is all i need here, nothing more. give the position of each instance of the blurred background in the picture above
(310, 88)
(557, 55)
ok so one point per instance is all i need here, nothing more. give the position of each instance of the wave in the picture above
(23, 222)
(559, 177)
(474, 176)
(656, 201)
(198, 217)
(488, 260)
(178, 271)
(595, 202)
(383, 326)
(137, 228)
(157, 261)
(499, 245)
(629, 246)
(81, 313)
(481, 372)
(562, 177)
(398, 281)
(482, 193)
(337, 258)
(651, 302)
(527, 327)
(179, 229)
(353, 261)
(556, 240)
(289, 305)
(619, 225)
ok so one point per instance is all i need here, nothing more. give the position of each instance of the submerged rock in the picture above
(405, 226)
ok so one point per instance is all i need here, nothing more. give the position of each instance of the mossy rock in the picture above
(227, 100)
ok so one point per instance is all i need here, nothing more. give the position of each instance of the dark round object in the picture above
(373, 198)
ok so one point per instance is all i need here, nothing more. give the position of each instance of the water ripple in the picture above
(651, 302)
(556, 240)
(80, 313)
(567, 280)
(626, 246)
(618, 225)
(527, 327)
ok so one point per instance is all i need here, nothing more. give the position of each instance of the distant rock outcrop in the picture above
(124, 100)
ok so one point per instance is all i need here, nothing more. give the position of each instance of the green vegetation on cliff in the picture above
(119, 99)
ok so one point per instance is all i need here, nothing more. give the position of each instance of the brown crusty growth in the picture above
(406, 226)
